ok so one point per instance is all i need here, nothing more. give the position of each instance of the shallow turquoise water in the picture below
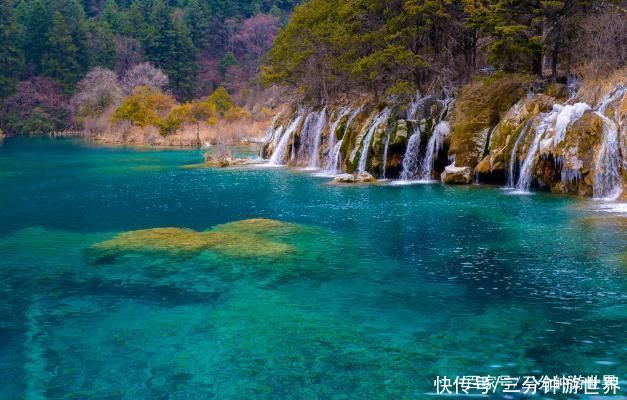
(384, 289)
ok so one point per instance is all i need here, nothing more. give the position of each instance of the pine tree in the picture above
(11, 57)
(35, 18)
(170, 48)
(101, 45)
(60, 61)
(197, 18)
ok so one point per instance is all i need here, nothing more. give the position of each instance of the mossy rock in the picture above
(507, 131)
(578, 151)
(478, 107)
(243, 239)
(558, 91)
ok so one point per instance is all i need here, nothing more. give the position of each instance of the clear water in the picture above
(383, 289)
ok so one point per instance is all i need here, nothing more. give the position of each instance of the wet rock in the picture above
(479, 107)
(557, 90)
(362, 177)
(401, 132)
(365, 177)
(344, 178)
(457, 175)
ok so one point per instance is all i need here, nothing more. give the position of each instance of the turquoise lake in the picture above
(336, 293)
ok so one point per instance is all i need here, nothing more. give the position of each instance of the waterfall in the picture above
(513, 159)
(566, 115)
(607, 177)
(620, 92)
(280, 151)
(314, 158)
(411, 163)
(331, 156)
(310, 137)
(385, 153)
(526, 176)
(337, 161)
(363, 157)
(416, 105)
(434, 145)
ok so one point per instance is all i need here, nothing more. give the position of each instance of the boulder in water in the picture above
(457, 175)
(344, 178)
(365, 177)
(362, 177)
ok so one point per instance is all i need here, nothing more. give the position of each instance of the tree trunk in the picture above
(198, 133)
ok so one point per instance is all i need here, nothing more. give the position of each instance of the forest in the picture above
(70, 64)
(52, 52)
(397, 47)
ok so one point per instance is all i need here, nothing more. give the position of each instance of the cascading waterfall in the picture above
(411, 163)
(280, 151)
(513, 159)
(337, 161)
(314, 158)
(417, 105)
(608, 182)
(607, 176)
(310, 138)
(363, 157)
(434, 145)
(566, 115)
(526, 176)
(330, 162)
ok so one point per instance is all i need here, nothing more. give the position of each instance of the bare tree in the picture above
(144, 74)
(97, 92)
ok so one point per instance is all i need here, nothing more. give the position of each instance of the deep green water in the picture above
(386, 287)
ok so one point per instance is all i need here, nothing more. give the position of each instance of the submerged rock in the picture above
(250, 238)
(457, 175)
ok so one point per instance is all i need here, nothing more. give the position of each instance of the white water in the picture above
(434, 145)
(363, 157)
(525, 177)
(314, 158)
(620, 92)
(566, 115)
(416, 105)
(513, 159)
(608, 182)
(280, 151)
(330, 161)
(310, 138)
(411, 163)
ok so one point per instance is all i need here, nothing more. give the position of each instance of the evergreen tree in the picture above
(11, 57)
(101, 45)
(60, 61)
(197, 18)
(170, 48)
(35, 18)
(111, 15)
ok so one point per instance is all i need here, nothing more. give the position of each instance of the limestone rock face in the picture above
(478, 108)
(457, 175)
(401, 132)
(507, 131)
